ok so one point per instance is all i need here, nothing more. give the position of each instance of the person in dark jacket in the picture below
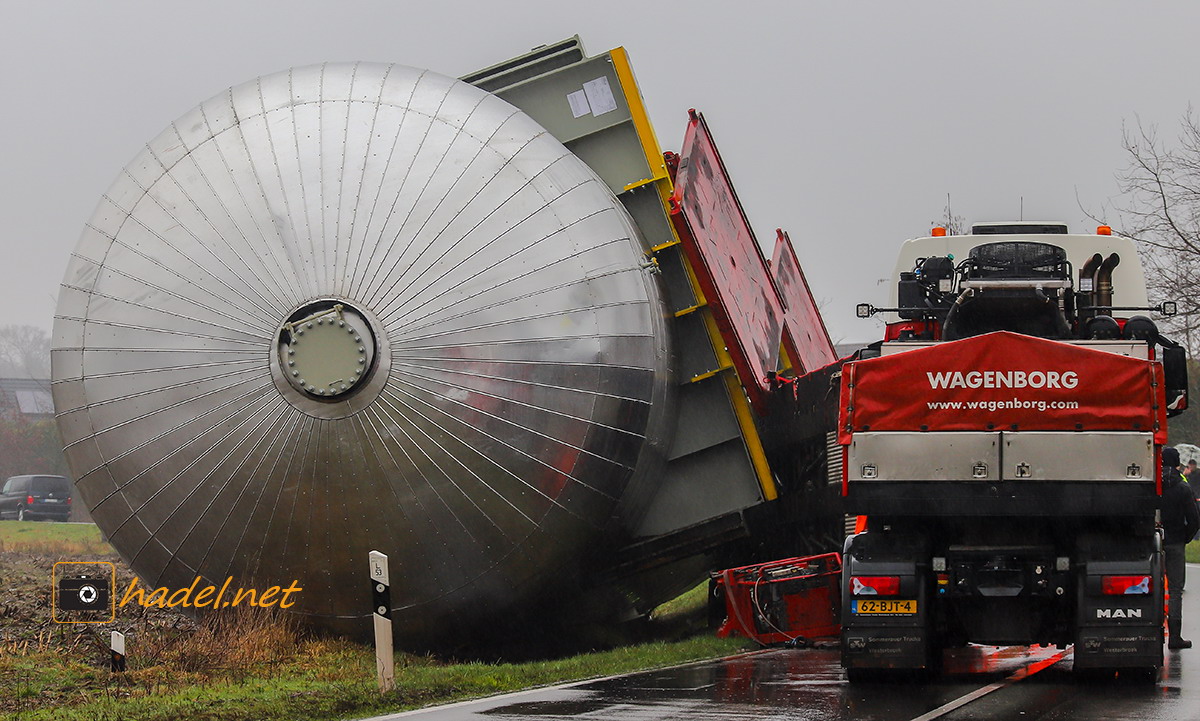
(1180, 522)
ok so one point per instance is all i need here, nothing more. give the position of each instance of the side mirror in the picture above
(1175, 372)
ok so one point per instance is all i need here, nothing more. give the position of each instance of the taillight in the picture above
(68, 500)
(875, 585)
(1125, 585)
(29, 500)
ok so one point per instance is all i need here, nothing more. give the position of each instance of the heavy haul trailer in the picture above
(1003, 443)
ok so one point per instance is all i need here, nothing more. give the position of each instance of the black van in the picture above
(26, 498)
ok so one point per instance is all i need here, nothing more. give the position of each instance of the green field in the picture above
(67, 539)
(255, 664)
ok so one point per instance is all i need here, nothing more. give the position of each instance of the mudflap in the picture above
(881, 647)
(1116, 629)
(885, 631)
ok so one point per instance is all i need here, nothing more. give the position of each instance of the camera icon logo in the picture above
(82, 592)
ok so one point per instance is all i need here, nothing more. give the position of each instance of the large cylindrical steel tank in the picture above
(362, 306)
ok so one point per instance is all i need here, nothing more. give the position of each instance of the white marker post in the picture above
(382, 598)
(117, 651)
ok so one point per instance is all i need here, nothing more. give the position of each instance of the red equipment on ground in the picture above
(782, 601)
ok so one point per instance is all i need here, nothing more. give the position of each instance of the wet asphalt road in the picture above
(1017, 684)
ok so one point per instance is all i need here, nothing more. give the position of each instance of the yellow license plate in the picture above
(884, 608)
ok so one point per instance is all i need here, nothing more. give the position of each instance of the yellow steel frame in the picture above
(661, 179)
(641, 121)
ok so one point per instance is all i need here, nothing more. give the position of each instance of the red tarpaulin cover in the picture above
(1006, 380)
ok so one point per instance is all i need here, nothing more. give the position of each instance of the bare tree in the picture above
(24, 352)
(954, 224)
(1160, 209)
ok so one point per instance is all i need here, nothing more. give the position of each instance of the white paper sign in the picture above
(600, 96)
(579, 104)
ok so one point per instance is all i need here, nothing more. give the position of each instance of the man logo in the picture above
(1118, 613)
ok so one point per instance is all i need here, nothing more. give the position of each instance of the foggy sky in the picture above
(845, 123)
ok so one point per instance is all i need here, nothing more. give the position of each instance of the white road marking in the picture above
(1021, 674)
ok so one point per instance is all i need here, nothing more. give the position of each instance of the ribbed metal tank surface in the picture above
(351, 307)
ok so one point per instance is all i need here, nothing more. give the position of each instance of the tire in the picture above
(1094, 676)
(1140, 676)
(716, 605)
(884, 675)
(862, 675)
(935, 664)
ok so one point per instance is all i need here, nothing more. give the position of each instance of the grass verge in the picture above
(253, 663)
(67, 540)
(323, 679)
